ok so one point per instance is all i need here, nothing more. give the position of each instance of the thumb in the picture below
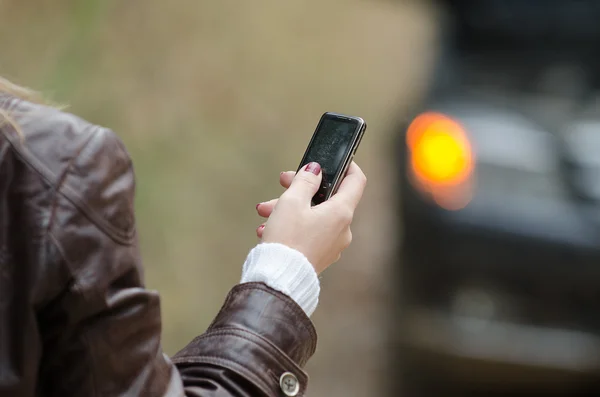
(306, 182)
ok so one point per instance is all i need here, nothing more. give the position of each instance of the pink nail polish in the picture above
(313, 167)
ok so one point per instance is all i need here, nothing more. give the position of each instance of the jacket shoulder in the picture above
(86, 163)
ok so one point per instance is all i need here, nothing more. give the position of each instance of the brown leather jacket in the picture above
(75, 318)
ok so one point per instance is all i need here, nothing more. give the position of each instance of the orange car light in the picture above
(441, 159)
(440, 151)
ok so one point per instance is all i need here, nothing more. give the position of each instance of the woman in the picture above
(75, 319)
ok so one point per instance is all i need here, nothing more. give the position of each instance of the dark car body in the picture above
(504, 294)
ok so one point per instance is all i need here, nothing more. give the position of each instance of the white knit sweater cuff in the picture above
(285, 270)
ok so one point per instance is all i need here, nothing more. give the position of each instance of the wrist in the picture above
(285, 270)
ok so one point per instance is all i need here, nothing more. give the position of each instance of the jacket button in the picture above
(289, 384)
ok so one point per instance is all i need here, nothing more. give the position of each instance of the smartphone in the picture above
(333, 146)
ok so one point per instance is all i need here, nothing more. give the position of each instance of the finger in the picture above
(265, 209)
(286, 178)
(260, 230)
(352, 187)
(306, 183)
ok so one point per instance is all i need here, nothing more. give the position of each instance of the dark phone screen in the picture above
(329, 147)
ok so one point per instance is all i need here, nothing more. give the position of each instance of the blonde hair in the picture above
(6, 87)
(27, 94)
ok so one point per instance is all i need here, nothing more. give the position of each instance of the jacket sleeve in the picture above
(256, 346)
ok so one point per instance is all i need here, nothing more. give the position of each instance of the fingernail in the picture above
(313, 167)
(261, 227)
(258, 205)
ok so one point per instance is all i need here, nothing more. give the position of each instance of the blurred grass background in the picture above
(214, 99)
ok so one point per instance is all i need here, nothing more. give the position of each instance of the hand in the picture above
(320, 232)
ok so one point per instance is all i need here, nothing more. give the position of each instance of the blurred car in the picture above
(499, 268)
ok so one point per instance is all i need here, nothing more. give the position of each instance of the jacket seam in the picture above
(61, 180)
(274, 352)
(117, 235)
(232, 366)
